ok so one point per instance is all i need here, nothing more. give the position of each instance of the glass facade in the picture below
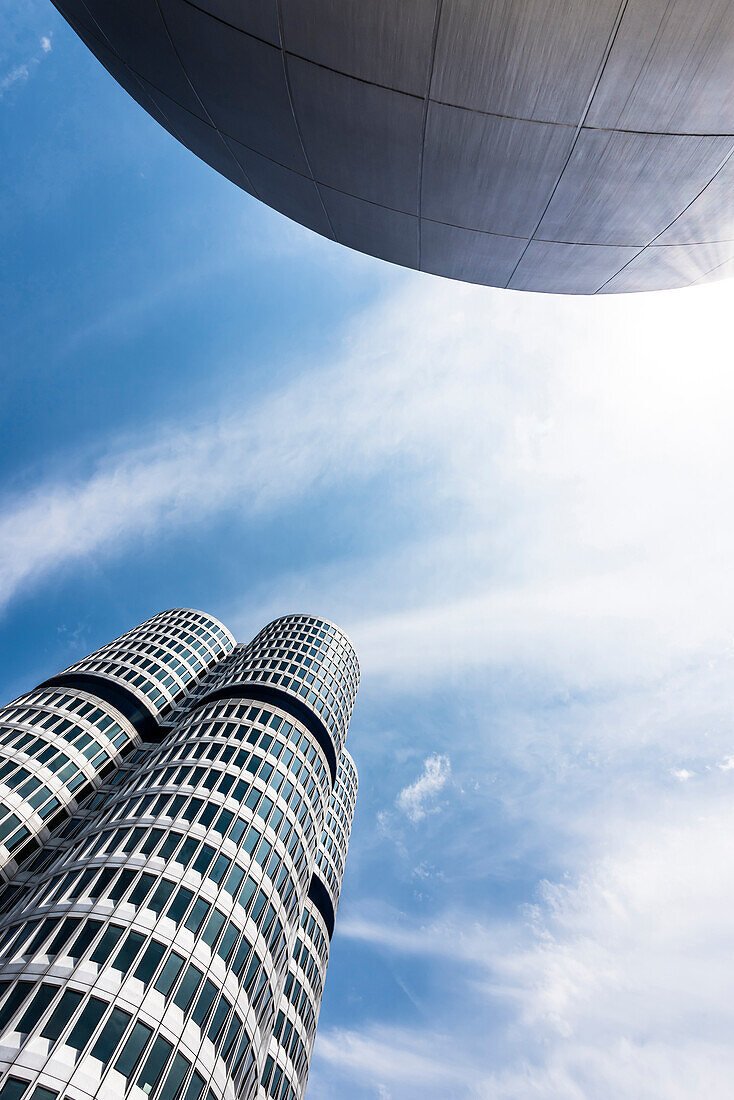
(58, 742)
(170, 938)
(289, 1056)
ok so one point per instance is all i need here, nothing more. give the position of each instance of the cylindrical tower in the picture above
(289, 1058)
(149, 671)
(58, 741)
(146, 953)
(306, 663)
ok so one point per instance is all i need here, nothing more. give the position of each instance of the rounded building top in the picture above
(157, 662)
(576, 146)
(301, 657)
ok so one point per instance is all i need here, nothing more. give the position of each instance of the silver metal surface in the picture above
(571, 146)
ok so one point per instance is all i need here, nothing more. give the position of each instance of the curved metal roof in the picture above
(576, 146)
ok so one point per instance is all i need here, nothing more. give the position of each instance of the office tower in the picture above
(289, 1056)
(58, 741)
(182, 916)
(572, 146)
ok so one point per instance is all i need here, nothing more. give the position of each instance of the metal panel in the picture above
(711, 212)
(257, 17)
(136, 32)
(568, 268)
(527, 58)
(624, 189)
(484, 172)
(133, 85)
(373, 229)
(292, 194)
(200, 137)
(667, 267)
(722, 271)
(670, 69)
(382, 41)
(465, 254)
(241, 82)
(360, 138)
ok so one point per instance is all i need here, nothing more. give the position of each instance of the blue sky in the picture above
(519, 506)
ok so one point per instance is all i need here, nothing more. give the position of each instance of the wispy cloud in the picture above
(341, 423)
(581, 521)
(396, 1059)
(615, 983)
(417, 799)
(21, 71)
(548, 485)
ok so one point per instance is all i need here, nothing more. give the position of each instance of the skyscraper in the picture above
(170, 934)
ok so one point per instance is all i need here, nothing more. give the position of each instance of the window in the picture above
(169, 973)
(149, 962)
(133, 1049)
(155, 1064)
(187, 989)
(220, 1016)
(61, 1015)
(36, 1009)
(197, 915)
(81, 1033)
(122, 884)
(13, 1089)
(45, 930)
(228, 941)
(174, 1080)
(204, 1003)
(196, 1087)
(112, 1032)
(107, 944)
(85, 937)
(179, 905)
(160, 898)
(142, 889)
(16, 997)
(128, 951)
(213, 928)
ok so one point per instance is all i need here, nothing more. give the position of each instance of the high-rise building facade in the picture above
(167, 935)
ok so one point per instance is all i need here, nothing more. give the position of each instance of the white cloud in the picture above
(415, 800)
(262, 458)
(406, 1060)
(616, 983)
(19, 72)
(16, 75)
(571, 485)
(457, 937)
(576, 498)
(682, 774)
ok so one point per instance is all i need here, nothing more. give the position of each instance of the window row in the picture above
(35, 707)
(192, 810)
(180, 982)
(297, 995)
(275, 1082)
(16, 1089)
(137, 888)
(287, 1037)
(115, 1039)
